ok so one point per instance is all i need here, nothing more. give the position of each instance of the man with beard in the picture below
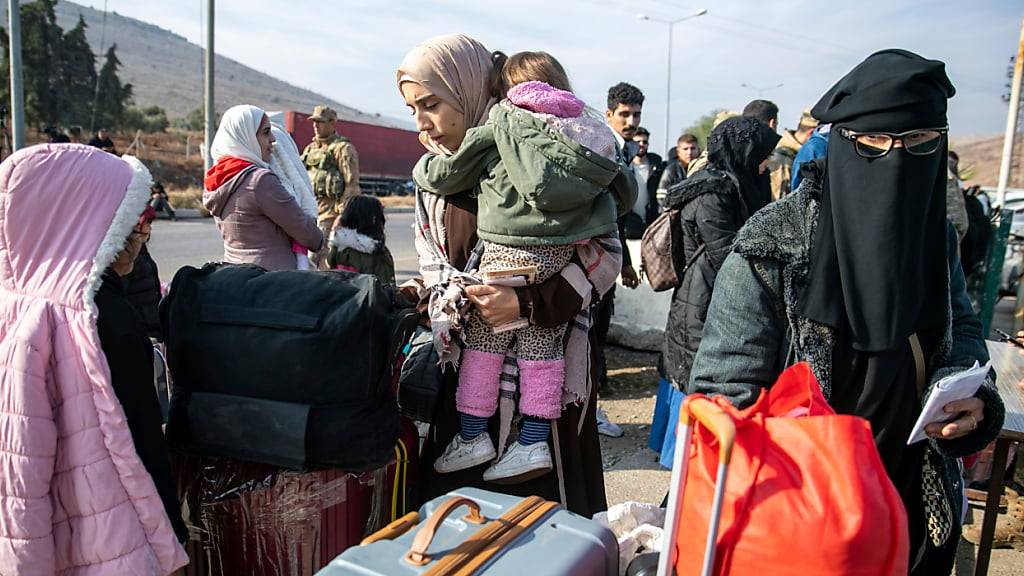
(687, 150)
(625, 106)
(647, 169)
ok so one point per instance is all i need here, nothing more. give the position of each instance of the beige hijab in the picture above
(456, 69)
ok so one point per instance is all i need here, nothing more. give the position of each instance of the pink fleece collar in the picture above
(543, 98)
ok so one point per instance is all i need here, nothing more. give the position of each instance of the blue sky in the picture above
(349, 49)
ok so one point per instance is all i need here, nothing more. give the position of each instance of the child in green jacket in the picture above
(542, 168)
(358, 243)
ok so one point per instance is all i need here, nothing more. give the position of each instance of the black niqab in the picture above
(737, 147)
(879, 269)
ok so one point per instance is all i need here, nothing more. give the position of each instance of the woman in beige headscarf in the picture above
(450, 83)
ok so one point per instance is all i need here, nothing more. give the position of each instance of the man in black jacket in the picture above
(647, 168)
(687, 150)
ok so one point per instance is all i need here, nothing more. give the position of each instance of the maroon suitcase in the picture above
(257, 519)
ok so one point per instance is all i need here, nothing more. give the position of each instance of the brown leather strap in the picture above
(476, 550)
(498, 542)
(417, 554)
(915, 349)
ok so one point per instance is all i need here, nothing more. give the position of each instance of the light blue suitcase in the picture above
(472, 531)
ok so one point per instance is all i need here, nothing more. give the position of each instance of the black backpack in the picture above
(285, 368)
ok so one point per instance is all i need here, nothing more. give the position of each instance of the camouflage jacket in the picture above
(333, 167)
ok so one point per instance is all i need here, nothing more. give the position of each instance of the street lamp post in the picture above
(761, 91)
(668, 81)
(209, 115)
(17, 92)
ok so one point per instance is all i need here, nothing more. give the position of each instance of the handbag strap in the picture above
(693, 258)
(918, 353)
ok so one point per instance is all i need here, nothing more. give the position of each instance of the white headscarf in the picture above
(236, 135)
(287, 164)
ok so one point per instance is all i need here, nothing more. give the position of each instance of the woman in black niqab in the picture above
(879, 271)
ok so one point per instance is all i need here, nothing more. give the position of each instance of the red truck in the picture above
(386, 155)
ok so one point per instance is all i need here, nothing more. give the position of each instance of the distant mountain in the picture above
(983, 154)
(166, 70)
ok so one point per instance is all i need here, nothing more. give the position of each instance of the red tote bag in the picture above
(804, 492)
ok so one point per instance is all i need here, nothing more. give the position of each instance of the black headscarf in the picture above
(879, 270)
(737, 146)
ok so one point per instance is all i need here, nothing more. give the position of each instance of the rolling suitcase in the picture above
(261, 520)
(472, 531)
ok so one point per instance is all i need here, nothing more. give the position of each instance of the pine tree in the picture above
(78, 81)
(42, 62)
(113, 97)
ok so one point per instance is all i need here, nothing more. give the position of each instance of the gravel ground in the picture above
(632, 471)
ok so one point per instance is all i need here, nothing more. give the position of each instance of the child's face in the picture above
(438, 119)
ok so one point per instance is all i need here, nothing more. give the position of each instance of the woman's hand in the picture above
(972, 411)
(497, 304)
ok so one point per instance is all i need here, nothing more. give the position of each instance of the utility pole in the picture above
(1004, 166)
(17, 92)
(1011, 121)
(668, 80)
(210, 114)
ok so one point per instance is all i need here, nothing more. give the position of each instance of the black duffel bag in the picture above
(285, 368)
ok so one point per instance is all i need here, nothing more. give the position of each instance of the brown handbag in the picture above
(661, 252)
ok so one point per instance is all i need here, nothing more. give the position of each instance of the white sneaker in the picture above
(606, 427)
(460, 454)
(520, 463)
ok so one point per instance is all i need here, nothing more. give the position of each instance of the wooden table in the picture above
(1008, 363)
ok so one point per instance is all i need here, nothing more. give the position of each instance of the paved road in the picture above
(195, 241)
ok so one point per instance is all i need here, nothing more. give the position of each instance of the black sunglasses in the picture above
(920, 142)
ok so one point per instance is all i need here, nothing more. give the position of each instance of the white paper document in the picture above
(953, 387)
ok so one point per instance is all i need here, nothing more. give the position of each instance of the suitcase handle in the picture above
(712, 417)
(417, 554)
(697, 409)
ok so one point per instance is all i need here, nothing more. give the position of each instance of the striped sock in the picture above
(472, 426)
(534, 430)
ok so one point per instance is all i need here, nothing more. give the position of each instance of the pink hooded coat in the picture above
(75, 499)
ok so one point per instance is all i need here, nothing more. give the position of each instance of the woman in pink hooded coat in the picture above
(75, 499)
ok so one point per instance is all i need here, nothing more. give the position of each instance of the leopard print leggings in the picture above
(531, 342)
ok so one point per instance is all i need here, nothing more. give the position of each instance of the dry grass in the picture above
(398, 201)
(191, 197)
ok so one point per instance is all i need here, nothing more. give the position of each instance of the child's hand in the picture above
(629, 278)
(497, 304)
(432, 146)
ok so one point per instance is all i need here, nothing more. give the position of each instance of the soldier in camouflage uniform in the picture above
(780, 163)
(333, 166)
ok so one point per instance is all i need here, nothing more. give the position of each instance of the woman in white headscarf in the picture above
(256, 215)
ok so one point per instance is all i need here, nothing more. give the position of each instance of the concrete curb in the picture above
(195, 214)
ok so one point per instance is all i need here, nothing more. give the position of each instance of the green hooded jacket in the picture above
(534, 186)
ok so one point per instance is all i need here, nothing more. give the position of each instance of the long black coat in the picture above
(711, 212)
(142, 288)
(129, 354)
